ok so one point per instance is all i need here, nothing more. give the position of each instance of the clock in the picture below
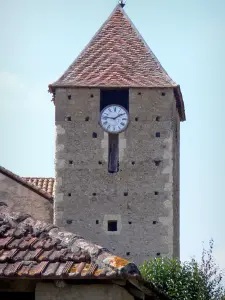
(114, 118)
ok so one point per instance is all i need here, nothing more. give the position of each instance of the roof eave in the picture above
(180, 103)
(53, 87)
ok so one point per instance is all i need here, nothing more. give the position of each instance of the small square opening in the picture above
(112, 225)
(97, 221)
(157, 134)
(157, 162)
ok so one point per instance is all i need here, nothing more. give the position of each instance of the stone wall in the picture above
(22, 199)
(176, 172)
(48, 291)
(142, 197)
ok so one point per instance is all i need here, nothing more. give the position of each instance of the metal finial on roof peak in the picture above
(122, 3)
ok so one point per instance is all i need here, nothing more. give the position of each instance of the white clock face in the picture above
(114, 118)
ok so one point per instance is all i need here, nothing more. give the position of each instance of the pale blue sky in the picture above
(39, 40)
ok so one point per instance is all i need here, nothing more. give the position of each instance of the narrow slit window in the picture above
(113, 156)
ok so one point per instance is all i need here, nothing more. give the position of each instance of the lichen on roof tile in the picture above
(37, 249)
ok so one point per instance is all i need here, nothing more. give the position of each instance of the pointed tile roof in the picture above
(117, 56)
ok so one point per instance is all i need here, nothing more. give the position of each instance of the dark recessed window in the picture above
(125, 194)
(68, 119)
(69, 195)
(158, 254)
(87, 119)
(157, 119)
(133, 162)
(112, 225)
(97, 221)
(92, 95)
(70, 162)
(139, 93)
(154, 222)
(100, 162)
(69, 97)
(163, 94)
(69, 221)
(94, 194)
(130, 222)
(117, 96)
(136, 119)
(94, 135)
(156, 193)
(128, 253)
(157, 134)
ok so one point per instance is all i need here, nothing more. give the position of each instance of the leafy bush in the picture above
(188, 280)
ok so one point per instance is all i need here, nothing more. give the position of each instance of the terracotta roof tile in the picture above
(28, 252)
(42, 183)
(118, 56)
(45, 251)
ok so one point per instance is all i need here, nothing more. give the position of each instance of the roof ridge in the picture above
(31, 177)
(118, 6)
(145, 43)
(25, 183)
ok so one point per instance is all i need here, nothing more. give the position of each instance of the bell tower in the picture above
(117, 118)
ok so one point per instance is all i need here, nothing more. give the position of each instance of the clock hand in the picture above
(120, 115)
(108, 118)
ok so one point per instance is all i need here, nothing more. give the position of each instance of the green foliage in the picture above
(188, 280)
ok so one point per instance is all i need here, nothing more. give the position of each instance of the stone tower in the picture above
(119, 188)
